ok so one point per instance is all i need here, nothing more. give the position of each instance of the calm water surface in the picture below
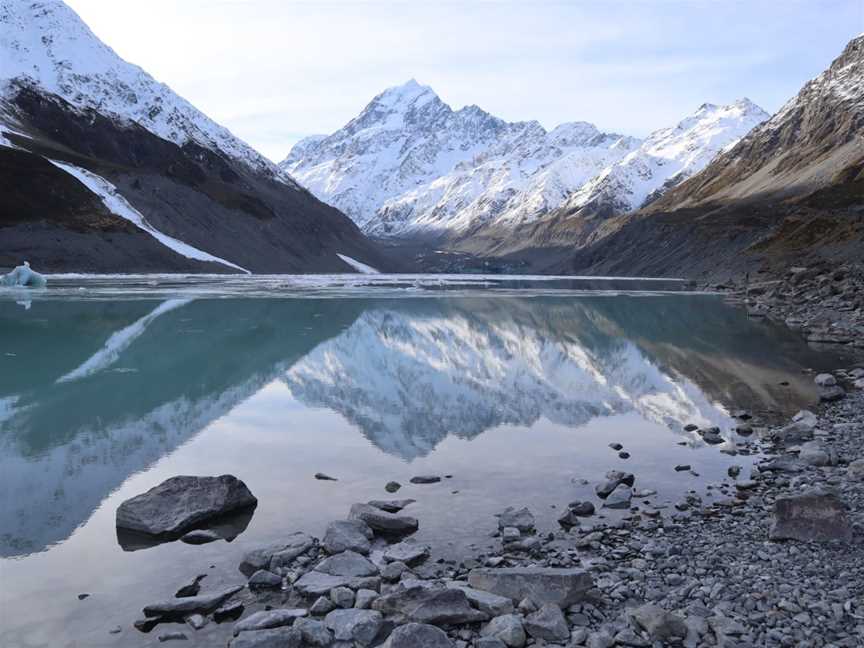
(515, 388)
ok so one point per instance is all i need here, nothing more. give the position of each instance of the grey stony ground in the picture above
(702, 573)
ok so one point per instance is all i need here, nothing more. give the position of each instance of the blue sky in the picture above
(274, 71)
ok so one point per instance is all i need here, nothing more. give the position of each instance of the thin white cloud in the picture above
(273, 71)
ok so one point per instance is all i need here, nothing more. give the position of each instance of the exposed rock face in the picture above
(813, 516)
(563, 587)
(180, 503)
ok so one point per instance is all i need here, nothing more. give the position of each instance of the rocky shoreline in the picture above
(770, 557)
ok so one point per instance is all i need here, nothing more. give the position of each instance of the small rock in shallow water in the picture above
(425, 479)
(323, 477)
(203, 603)
(383, 522)
(81, 597)
(173, 636)
(682, 467)
(391, 506)
(392, 486)
(619, 498)
(196, 621)
(616, 446)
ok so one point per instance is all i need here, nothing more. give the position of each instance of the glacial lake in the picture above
(512, 387)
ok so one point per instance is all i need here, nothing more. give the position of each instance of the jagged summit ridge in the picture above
(409, 165)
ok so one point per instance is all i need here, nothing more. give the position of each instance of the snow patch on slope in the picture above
(118, 205)
(362, 268)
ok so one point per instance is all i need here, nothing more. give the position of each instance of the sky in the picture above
(274, 71)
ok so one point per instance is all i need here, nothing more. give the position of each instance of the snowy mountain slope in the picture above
(46, 43)
(522, 176)
(209, 201)
(666, 158)
(410, 166)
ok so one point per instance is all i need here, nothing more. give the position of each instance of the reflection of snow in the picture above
(409, 381)
(119, 342)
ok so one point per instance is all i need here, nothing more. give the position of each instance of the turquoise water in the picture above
(515, 388)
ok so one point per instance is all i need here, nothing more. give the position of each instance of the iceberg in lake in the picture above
(23, 276)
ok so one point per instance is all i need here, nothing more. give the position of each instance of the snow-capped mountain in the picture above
(46, 44)
(666, 158)
(113, 171)
(409, 165)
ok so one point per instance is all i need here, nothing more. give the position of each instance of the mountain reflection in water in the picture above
(92, 392)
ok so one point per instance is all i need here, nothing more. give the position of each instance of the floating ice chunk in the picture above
(362, 268)
(23, 276)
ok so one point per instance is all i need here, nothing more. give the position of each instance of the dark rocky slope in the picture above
(189, 192)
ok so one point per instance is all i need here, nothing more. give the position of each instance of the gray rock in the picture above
(203, 604)
(418, 635)
(547, 623)
(660, 624)
(408, 551)
(425, 479)
(263, 579)
(347, 535)
(228, 612)
(825, 380)
(314, 633)
(855, 470)
(613, 479)
(359, 626)
(321, 606)
(619, 498)
(192, 588)
(489, 642)
(173, 636)
(382, 521)
(816, 515)
(507, 629)
(812, 454)
(181, 503)
(364, 599)
(315, 583)
(276, 555)
(347, 563)
(782, 464)
(831, 394)
(795, 432)
(324, 477)
(491, 604)
(276, 638)
(561, 586)
(393, 571)
(392, 486)
(343, 597)
(521, 519)
(391, 506)
(267, 619)
(423, 604)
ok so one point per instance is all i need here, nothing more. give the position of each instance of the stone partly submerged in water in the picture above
(560, 586)
(23, 277)
(183, 503)
(201, 604)
(816, 515)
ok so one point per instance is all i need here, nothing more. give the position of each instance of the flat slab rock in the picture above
(182, 503)
(381, 521)
(316, 583)
(203, 604)
(268, 619)
(816, 515)
(431, 605)
(563, 587)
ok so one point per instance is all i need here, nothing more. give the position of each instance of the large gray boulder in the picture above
(347, 535)
(359, 626)
(548, 623)
(316, 583)
(201, 604)
(660, 624)
(418, 635)
(382, 522)
(561, 586)
(816, 515)
(277, 638)
(182, 503)
(436, 606)
(507, 628)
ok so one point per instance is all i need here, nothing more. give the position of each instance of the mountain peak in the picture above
(405, 94)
